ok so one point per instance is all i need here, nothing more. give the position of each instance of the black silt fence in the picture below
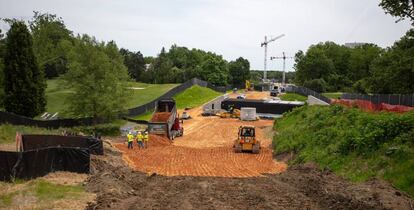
(393, 99)
(261, 106)
(67, 123)
(15, 119)
(306, 92)
(34, 142)
(36, 163)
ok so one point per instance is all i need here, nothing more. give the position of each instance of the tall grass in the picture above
(355, 144)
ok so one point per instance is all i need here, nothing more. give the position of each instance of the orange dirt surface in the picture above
(160, 117)
(252, 95)
(206, 149)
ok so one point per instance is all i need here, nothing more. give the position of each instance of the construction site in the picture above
(202, 170)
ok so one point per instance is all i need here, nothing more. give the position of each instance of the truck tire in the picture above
(237, 148)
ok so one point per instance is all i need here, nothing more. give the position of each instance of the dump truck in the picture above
(246, 140)
(165, 120)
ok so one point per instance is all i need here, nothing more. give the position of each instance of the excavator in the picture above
(246, 140)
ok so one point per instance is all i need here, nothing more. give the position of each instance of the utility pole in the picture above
(265, 52)
(284, 65)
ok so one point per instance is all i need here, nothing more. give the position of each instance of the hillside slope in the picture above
(352, 143)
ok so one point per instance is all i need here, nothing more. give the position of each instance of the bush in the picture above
(110, 129)
(318, 85)
(352, 143)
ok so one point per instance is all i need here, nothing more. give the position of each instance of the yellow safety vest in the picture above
(130, 137)
(145, 137)
(139, 137)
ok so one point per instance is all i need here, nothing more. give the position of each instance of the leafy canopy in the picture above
(96, 72)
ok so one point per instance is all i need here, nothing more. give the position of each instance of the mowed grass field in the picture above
(190, 98)
(141, 93)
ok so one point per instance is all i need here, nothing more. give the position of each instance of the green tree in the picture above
(239, 71)
(314, 65)
(403, 9)
(214, 70)
(49, 31)
(24, 85)
(2, 52)
(135, 63)
(96, 75)
(393, 71)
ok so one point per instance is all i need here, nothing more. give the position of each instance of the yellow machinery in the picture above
(249, 85)
(247, 141)
(231, 113)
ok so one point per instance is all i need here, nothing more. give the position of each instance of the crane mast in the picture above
(284, 64)
(265, 43)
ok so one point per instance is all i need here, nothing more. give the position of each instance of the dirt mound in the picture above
(160, 116)
(300, 187)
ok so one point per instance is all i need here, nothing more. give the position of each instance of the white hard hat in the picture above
(139, 132)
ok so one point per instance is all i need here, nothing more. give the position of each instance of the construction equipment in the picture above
(265, 43)
(230, 113)
(165, 120)
(248, 85)
(284, 65)
(246, 140)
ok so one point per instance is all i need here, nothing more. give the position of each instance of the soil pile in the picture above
(300, 187)
(160, 117)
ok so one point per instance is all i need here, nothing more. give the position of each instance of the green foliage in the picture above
(195, 96)
(8, 132)
(2, 52)
(257, 76)
(180, 64)
(135, 63)
(403, 9)
(146, 116)
(24, 84)
(50, 37)
(318, 85)
(355, 144)
(293, 97)
(239, 71)
(393, 71)
(108, 129)
(339, 66)
(48, 191)
(96, 75)
(333, 95)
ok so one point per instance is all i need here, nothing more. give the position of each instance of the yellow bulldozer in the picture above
(246, 141)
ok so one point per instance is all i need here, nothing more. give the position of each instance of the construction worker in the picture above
(146, 138)
(130, 139)
(140, 139)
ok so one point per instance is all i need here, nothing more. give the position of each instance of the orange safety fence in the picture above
(371, 107)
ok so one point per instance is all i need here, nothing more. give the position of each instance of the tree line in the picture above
(95, 71)
(363, 69)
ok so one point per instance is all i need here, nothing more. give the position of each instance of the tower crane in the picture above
(284, 64)
(265, 52)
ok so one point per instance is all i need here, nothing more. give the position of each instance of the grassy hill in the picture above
(192, 97)
(142, 93)
(354, 144)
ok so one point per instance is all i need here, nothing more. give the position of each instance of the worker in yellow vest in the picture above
(139, 140)
(130, 139)
(146, 138)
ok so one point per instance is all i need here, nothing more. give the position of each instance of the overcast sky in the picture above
(232, 28)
